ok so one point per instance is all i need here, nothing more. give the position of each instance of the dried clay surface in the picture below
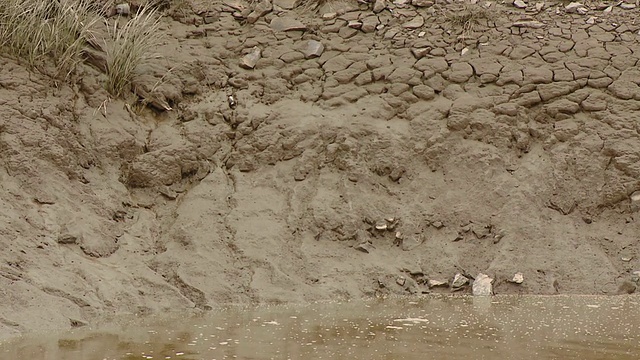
(370, 149)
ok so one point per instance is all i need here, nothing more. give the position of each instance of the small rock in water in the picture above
(576, 8)
(518, 278)
(250, 60)
(314, 49)
(459, 281)
(482, 285)
(519, 4)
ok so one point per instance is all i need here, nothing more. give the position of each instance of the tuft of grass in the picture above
(130, 45)
(40, 30)
(467, 18)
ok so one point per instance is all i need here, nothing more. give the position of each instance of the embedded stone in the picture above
(556, 89)
(623, 89)
(460, 72)
(424, 92)
(287, 24)
(594, 102)
(313, 49)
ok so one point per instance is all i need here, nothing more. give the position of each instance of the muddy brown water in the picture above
(530, 327)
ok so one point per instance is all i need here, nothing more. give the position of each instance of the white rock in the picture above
(422, 34)
(123, 9)
(464, 51)
(482, 285)
(433, 283)
(635, 201)
(591, 20)
(627, 6)
(608, 9)
(518, 278)
(576, 8)
(459, 281)
(520, 4)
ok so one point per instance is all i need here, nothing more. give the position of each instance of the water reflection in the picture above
(559, 327)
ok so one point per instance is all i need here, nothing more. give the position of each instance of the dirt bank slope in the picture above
(509, 149)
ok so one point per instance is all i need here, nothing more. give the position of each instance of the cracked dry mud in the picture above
(509, 149)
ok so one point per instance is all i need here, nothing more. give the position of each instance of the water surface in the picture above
(500, 327)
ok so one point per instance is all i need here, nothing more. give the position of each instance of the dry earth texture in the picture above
(370, 148)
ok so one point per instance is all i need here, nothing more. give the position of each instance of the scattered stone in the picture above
(379, 5)
(591, 20)
(626, 258)
(635, 276)
(287, 24)
(347, 32)
(355, 24)
(529, 24)
(520, 4)
(416, 22)
(286, 4)
(401, 281)
(627, 6)
(263, 8)
(422, 3)
(437, 224)
(314, 49)
(250, 60)
(459, 281)
(366, 247)
(435, 283)
(576, 8)
(539, 6)
(369, 24)
(608, 9)
(482, 285)
(329, 16)
(419, 53)
(518, 278)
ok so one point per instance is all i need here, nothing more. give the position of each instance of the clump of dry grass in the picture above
(39, 30)
(467, 18)
(130, 45)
